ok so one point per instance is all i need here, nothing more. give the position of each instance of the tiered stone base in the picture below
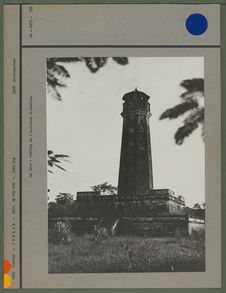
(159, 213)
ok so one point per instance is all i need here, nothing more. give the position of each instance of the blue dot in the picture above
(196, 24)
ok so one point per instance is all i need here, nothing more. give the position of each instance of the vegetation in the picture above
(198, 210)
(65, 199)
(105, 187)
(61, 233)
(57, 73)
(55, 159)
(64, 205)
(127, 254)
(192, 104)
(199, 206)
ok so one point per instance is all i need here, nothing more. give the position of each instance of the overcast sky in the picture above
(87, 125)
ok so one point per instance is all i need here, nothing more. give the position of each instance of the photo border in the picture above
(223, 136)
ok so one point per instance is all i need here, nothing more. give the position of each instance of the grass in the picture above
(127, 254)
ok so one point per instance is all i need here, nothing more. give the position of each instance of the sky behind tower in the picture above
(87, 125)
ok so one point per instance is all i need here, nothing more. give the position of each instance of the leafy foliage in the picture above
(55, 159)
(199, 206)
(190, 124)
(192, 85)
(54, 209)
(64, 205)
(61, 233)
(94, 64)
(65, 198)
(100, 233)
(105, 187)
(179, 109)
(57, 73)
(190, 104)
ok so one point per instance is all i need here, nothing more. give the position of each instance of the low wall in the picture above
(196, 226)
(157, 214)
(158, 226)
(159, 202)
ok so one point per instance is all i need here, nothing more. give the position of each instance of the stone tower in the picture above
(135, 172)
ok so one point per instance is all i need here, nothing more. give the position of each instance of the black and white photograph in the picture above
(125, 164)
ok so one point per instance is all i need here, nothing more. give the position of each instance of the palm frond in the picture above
(190, 124)
(50, 163)
(179, 109)
(91, 64)
(183, 132)
(100, 61)
(94, 64)
(60, 167)
(196, 116)
(54, 74)
(69, 59)
(54, 82)
(61, 156)
(55, 71)
(52, 91)
(55, 160)
(50, 62)
(59, 70)
(193, 85)
(203, 132)
(121, 60)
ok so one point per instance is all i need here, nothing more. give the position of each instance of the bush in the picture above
(61, 233)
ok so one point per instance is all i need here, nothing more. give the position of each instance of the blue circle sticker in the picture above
(196, 24)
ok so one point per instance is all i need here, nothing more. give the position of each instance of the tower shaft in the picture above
(135, 172)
